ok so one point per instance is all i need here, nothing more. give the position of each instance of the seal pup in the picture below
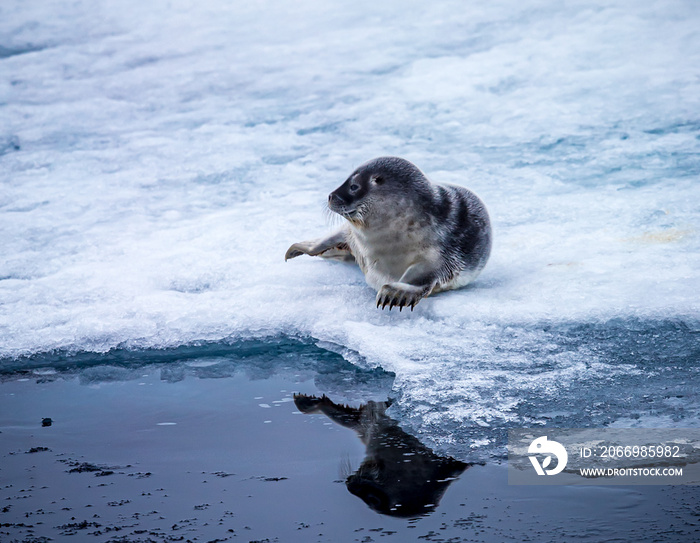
(410, 237)
(399, 476)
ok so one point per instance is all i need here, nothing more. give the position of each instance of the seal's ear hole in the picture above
(378, 179)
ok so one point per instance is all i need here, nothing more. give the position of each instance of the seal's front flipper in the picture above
(301, 248)
(342, 414)
(334, 246)
(416, 283)
(400, 295)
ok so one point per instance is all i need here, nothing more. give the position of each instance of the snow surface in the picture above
(157, 159)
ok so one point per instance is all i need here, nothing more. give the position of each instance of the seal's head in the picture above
(375, 180)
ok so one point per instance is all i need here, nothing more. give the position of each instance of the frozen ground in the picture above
(158, 158)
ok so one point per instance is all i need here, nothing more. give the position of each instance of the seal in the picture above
(399, 476)
(410, 237)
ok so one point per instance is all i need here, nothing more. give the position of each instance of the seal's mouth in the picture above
(349, 212)
(350, 209)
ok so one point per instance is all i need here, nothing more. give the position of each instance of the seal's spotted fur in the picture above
(409, 236)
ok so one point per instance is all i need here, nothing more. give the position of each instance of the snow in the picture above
(158, 158)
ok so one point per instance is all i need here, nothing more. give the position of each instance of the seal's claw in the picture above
(400, 295)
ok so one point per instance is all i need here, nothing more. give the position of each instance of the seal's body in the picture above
(409, 236)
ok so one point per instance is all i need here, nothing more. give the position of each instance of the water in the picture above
(263, 443)
(626, 373)
(157, 159)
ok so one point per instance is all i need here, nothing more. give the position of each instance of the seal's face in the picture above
(351, 199)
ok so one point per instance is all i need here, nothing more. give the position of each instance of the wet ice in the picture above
(157, 159)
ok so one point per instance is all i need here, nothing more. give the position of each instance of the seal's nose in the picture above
(335, 198)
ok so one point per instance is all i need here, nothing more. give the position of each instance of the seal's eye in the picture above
(378, 179)
(354, 187)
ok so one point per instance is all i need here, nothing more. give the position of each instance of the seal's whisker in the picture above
(332, 218)
(345, 469)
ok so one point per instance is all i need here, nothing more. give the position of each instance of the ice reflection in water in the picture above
(399, 476)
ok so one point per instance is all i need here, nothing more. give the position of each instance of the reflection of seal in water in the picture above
(399, 476)
(409, 236)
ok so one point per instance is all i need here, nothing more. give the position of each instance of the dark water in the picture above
(238, 443)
